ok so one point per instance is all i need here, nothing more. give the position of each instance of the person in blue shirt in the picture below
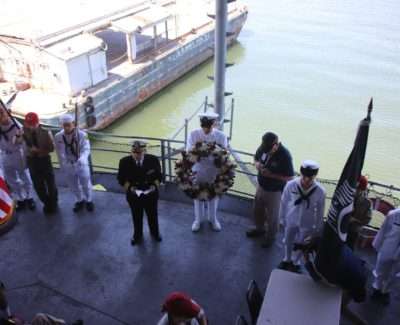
(275, 167)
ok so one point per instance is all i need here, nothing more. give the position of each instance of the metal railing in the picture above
(108, 149)
(185, 127)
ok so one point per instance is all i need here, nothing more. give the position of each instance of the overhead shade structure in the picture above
(144, 19)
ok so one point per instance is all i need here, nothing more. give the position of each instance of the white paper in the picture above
(140, 192)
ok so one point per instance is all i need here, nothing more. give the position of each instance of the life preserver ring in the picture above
(142, 94)
(8, 221)
(381, 205)
(368, 234)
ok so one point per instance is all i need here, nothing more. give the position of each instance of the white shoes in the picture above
(196, 225)
(216, 226)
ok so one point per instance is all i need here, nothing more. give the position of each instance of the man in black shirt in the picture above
(275, 167)
(140, 175)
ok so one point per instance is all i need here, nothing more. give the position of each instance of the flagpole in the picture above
(370, 108)
(77, 129)
(4, 107)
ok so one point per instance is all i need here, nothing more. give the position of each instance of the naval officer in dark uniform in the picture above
(140, 175)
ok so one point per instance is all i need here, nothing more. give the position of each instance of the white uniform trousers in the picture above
(200, 209)
(294, 234)
(79, 180)
(384, 272)
(20, 181)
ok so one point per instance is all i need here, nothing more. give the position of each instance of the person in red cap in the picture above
(39, 143)
(362, 212)
(180, 309)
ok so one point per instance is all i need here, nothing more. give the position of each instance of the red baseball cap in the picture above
(179, 304)
(362, 183)
(31, 119)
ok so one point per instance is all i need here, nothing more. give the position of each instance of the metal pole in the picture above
(155, 36)
(90, 165)
(129, 47)
(219, 58)
(186, 131)
(164, 169)
(169, 161)
(166, 30)
(205, 103)
(4, 107)
(231, 124)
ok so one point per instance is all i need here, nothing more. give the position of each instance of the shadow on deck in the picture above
(83, 266)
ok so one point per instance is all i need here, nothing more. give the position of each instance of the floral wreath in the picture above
(205, 191)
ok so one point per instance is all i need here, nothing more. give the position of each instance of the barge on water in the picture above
(102, 60)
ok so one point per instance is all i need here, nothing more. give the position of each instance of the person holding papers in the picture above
(140, 175)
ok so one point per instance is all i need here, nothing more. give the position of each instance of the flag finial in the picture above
(370, 107)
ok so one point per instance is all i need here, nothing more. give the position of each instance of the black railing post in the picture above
(90, 165)
(231, 124)
(163, 160)
(169, 161)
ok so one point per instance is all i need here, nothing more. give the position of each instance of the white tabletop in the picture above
(295, 299)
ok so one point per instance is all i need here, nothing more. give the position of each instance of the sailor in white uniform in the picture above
(205, 169)
(73, 150)
(13, 161)
(387, 244)
(301, 212)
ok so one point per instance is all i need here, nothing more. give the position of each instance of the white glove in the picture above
(82, 161)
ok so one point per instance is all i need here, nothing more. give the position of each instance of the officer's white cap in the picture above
(209, 115)
(310, 164)
(138, 145)
(66, 118)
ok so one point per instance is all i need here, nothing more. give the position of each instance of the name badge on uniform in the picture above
(264, 156)
(151, 171)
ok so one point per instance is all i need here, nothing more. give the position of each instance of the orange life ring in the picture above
(367, 235)
(8, 221)
(142, 94)
(381, 205)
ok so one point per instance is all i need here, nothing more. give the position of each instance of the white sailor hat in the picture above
(66, 118)
(138, 145)
(208, 115)
(309, 168)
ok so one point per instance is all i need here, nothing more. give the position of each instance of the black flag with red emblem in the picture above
(334, 261)
(343, 197)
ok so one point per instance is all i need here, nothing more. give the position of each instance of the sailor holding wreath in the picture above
(204, 170)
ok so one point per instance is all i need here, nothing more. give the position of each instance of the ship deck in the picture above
(82, 266)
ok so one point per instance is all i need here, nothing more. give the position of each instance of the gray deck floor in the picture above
(83, 266)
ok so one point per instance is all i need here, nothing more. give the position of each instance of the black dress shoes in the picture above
(157, 238)
(20, 205)
(78, 206)
(30, 203)
(253, 233)
(89, 206)
(136, 241)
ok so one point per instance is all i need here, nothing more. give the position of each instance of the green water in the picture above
(305, 70)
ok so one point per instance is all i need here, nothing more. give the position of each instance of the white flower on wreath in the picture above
(204, 147)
